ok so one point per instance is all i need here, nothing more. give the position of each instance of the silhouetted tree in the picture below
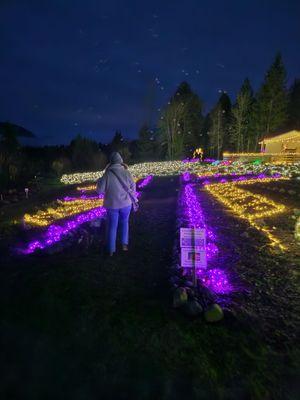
(294, 105)
(86, 155)
(181, 122)
(145, 144)
(241, 131)
(192, 124)
(10, 151)
(271, 104)
(118, 142)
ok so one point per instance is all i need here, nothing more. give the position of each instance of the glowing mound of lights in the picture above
(138, 171)
(162, 168)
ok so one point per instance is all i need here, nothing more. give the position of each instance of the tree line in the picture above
(182, 126)
(236, 127)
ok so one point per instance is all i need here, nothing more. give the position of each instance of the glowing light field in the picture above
(231, 190)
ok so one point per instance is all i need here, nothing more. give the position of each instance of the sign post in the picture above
(193, 249)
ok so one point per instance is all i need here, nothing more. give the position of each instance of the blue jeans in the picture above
(117, 216)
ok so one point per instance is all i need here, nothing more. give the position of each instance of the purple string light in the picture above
(56, 232)
(216, 280)
(190, 160)
(83, 197)
(144, 182)
(192, 216)
(195, 219)
(186, 176)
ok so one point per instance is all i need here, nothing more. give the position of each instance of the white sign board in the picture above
(192, 237)
(193, 248)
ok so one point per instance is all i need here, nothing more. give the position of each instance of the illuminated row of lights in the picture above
(247, 205)
(87, 188)
(247, 179)
(293, 135)
(63, 210)
(258, 154)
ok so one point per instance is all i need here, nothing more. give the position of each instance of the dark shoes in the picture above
(106, 254)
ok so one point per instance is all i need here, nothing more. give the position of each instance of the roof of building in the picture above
(282, 137)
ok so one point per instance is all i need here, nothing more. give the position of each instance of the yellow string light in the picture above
(247, 205)
(165, 168)
(89, 188)
(138, 171)
(62, 210)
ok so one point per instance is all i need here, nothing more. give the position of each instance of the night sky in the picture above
(93, 66)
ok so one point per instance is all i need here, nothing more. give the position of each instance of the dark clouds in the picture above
(90, 66)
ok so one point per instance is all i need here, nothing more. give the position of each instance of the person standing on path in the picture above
(119, 190)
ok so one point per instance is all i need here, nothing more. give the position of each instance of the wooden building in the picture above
(284, 147)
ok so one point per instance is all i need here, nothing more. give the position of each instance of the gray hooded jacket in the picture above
(115, 195)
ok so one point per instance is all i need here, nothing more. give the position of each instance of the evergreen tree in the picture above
(118, 142)
(125, 153)
(193, 122)
(242, 119)
(145, 144)
(294, 106)
(86, 155)
(271, 105)
(219, 134)
(170, 130)
(181, 123)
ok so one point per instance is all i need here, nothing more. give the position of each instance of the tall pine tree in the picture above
(242, 131)
(118, 142)
(271, 104)
(145, 144)
(294, 106)
(181, 123)
(192, 125)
